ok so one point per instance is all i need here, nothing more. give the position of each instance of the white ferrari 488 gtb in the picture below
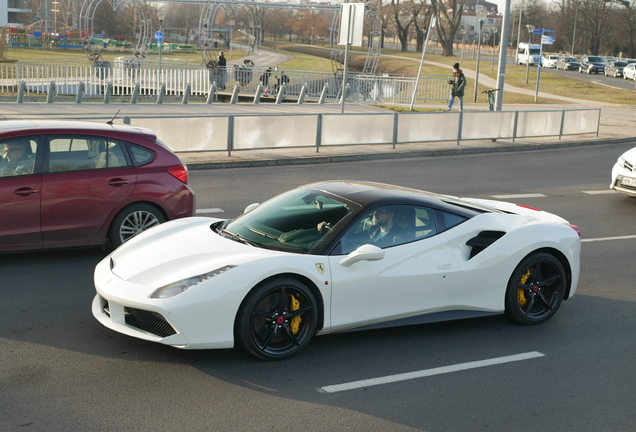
(335, 256)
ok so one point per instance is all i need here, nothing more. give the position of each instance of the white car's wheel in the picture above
(536, 289)
(277, 319)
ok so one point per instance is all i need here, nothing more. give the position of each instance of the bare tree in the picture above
(448, 15)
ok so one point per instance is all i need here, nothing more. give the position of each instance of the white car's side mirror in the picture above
(251, 207)
(365, 252)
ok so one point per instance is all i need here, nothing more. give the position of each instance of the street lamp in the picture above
(461, 60)
(494, 46)
(481, 16)
(530, 28)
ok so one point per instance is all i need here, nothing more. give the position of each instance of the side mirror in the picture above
(365, 252)
(251, 207)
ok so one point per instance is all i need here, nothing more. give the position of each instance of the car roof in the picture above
(369, 195)
(19, 127)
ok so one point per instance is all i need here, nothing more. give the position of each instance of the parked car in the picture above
(549, 61)
(568, 63)
(615, 68)
(608, 59)
(629, 71)
(335, 256)
(624, 174)
(80, 183)
(591, 64)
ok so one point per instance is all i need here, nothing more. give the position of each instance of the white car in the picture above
(629, 71)
(624, 174)
(335, 256)
(549, 61)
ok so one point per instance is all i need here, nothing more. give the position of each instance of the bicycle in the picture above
(491, 103)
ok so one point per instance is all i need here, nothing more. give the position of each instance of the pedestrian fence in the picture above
(104, 79)
(230, 133)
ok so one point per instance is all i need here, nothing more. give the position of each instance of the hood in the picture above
(177, 250)
(519, 209)
(630, 156)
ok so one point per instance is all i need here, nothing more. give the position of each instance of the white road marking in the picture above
(535, 195)
(210, 210)
(428, 372)
(600, 192)
(627, 237)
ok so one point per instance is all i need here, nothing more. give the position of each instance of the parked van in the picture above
(528, 53)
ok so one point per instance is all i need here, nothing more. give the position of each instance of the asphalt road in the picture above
(60, 370)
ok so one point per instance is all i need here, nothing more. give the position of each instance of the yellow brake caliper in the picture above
(521, 298)
(295, 322)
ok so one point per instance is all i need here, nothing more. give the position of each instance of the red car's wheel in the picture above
(133, 220)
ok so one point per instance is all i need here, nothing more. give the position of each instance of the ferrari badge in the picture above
(321, 268)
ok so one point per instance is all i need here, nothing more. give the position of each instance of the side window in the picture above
(383, 227)
(141, 155)
(424, 223)
(79, 153)
(17, 156)
(445, 220)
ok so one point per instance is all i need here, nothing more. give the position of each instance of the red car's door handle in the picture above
(25, 191)
(117, 182)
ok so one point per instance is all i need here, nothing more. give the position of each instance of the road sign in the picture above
(548, 39)
(159, 36)
(541, 31)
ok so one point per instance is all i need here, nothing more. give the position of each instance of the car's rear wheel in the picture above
(536, 289)
(133, 220)
(277, 319)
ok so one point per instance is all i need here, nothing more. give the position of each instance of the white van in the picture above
(528, 53)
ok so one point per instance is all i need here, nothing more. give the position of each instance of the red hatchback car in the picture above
(71, 183)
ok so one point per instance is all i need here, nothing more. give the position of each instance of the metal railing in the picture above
(151, 77)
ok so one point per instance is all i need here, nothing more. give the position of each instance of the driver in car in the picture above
(17, 161)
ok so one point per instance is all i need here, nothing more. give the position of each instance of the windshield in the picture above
(569, 59)
(596, 59)
(535, 51)
(620, 64)
(290, 222)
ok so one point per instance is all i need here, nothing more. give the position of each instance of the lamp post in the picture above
(530, 28)
(494, 46)
(160, 42)
(481, 16)
(461, 60)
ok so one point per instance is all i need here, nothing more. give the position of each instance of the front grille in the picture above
(619, 185)
(152, 322)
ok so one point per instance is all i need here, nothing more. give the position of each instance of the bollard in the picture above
(323, 94)
(235, 94)
(281, 93)
(186, 93)
(51, 93)
(161, 93)
(80, 92)
(303, 92)
(108, 92)
(257, 95)
(212, 96)
(135, 94)
(21, 90)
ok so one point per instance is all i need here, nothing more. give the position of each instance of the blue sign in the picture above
(159, 36)
(541, 31)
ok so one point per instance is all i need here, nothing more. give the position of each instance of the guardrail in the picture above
(251, 131)
(122, 77)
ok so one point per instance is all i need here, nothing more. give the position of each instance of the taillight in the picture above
(180, 172)
(529, 208)
(575, 228)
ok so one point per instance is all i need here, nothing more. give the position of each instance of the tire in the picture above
(133, 220)
(580, 70)
(269, 327)
(615, 74)
(536, 289)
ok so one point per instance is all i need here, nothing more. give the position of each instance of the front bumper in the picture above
(624, 179)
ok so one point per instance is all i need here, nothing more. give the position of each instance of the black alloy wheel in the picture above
(536, 289)
(277, 320)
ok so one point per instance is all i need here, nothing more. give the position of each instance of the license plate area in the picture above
(628, 181)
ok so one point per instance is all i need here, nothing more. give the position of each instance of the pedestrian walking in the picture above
(458, 83)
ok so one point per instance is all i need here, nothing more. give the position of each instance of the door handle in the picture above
(445, 266)
(117, 182)
(25, 191)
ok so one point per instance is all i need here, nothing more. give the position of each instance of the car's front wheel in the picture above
(133, 220)
(536, 289)
(277, 319)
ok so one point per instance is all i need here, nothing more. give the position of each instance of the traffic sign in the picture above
(541, 31)
(548, 39)
(159, 36)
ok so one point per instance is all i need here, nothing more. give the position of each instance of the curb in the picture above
(398, 155)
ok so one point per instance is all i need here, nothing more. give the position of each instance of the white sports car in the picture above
(335, 256)
(624, 173)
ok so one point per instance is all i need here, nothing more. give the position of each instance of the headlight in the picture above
(178, 287)
(621, 161)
